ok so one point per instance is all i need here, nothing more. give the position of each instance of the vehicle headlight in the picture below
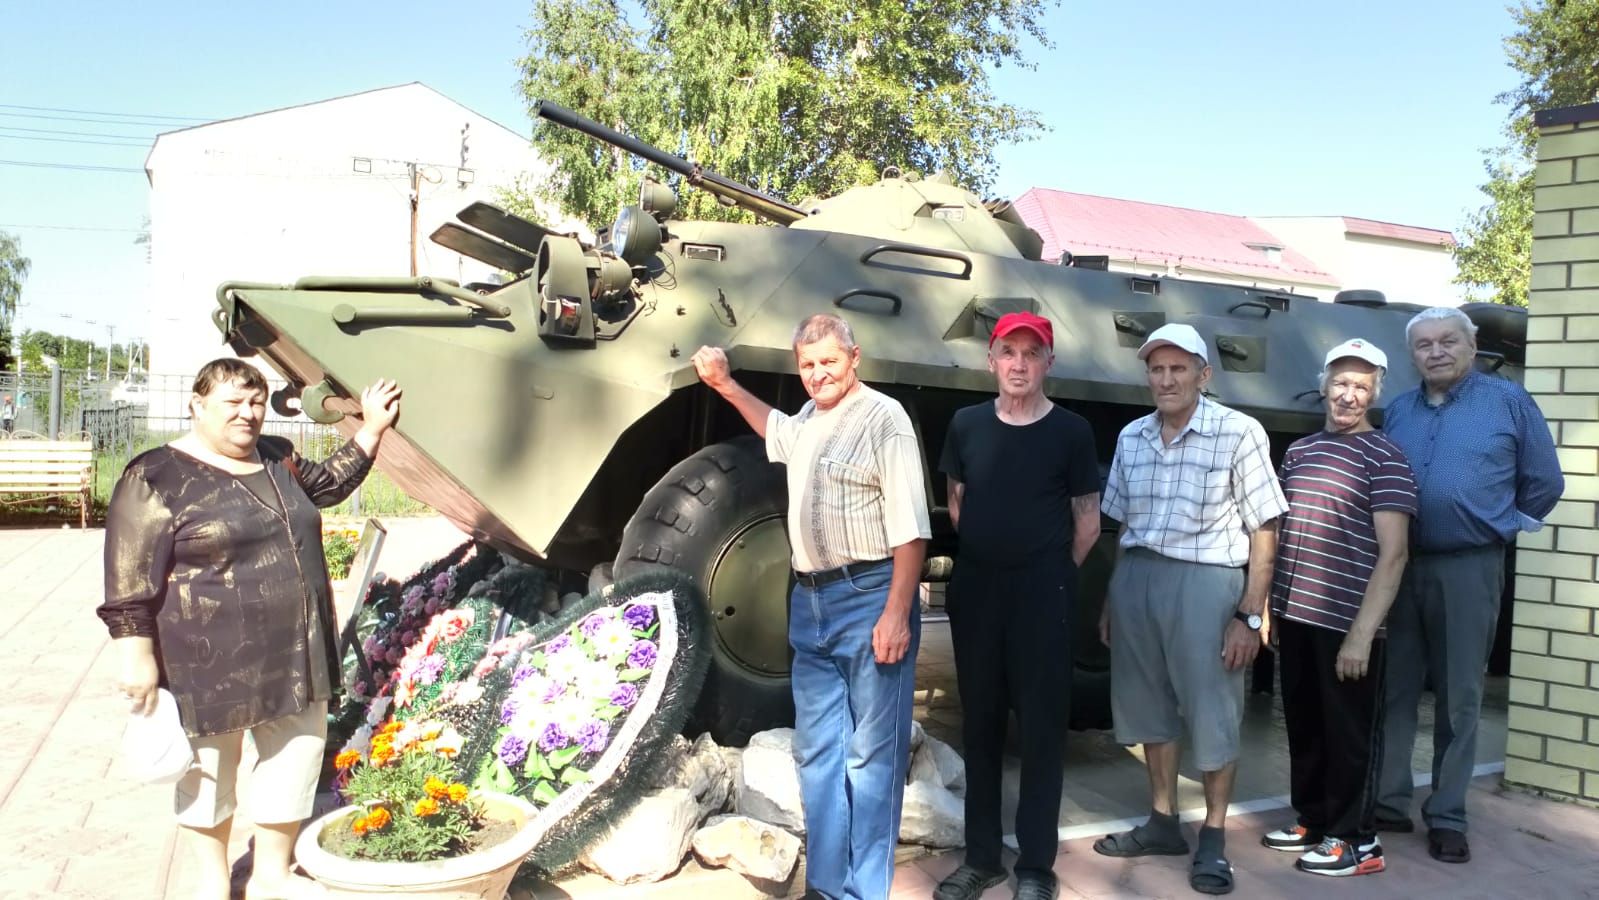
(635, 236)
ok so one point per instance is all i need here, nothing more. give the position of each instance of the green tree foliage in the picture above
(73, 354)
(13, 271)
(798, 98)
(1556, 52)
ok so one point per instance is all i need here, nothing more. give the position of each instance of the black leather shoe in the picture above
(1448, 845)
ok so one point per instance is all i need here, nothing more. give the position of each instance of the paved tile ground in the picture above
(70, 826)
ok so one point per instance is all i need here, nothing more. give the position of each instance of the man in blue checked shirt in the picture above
(1485, 468)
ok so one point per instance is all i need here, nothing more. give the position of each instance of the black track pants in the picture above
(1334, 731)
(1011, 630)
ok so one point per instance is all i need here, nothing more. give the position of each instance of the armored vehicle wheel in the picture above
(718, 516)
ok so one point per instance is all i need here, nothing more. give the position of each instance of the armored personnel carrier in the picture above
(557, 417)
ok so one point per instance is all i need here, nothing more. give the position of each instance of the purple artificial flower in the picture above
(553, 738)
(444, 583)
(513, 750)
(593, 736)
(432, 607)
(641, 655)
(560, 643)
(639, 616)
(361, 690)
(411, 600)
(369, 647)
(508, 711)
(429, 669)
(624, 695)
(592, 623)
(553, 691)
(521, 674)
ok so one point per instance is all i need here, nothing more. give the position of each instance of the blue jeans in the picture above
(852, 733)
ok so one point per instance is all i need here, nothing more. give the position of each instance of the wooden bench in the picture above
(36, 468)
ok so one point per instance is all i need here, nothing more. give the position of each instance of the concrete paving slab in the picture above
(71, 826)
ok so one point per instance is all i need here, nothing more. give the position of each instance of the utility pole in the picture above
(416, 198)
(110, 348)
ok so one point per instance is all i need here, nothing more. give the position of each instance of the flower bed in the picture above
(553, 711)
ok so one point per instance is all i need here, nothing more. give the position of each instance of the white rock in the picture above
(718, 779)
(768, 781)
(747, 846)
(937, 762)
(932, 816)
(733, 760)
(918, 734)
(651, 840)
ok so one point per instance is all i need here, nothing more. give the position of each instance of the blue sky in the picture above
(1371, 109)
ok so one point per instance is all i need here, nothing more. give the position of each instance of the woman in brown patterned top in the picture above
(216, 589)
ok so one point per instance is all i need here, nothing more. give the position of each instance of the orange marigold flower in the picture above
(427, 806)
(359, 826)
(390, 727)
(436, 788)
(347, 758)
(458, 792)
(382, 755)
(377, 818)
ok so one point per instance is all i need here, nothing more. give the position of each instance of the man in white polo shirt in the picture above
(857, 529)
(1193, 486)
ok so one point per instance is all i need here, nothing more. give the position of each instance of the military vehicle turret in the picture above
(557, 416)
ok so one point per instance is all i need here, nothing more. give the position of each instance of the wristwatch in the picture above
(1251, 619)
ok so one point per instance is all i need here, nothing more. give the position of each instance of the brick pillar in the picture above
(1553, 746)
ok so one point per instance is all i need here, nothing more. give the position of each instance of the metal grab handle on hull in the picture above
(491, 309)
(914, 250)
(870, 292)
(1253, 304)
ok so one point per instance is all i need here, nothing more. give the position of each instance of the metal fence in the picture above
(126, 417)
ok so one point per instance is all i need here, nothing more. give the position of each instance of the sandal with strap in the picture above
(1140, 841)
(1211, 875)
(967, 883)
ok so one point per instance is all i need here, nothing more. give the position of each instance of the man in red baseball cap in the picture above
(1024, 500)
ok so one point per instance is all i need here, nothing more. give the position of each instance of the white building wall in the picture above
(277, 196)
(1405, 271)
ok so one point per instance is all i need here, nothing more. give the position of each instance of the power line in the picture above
(74, 228)
(129, 123)
(55, 140)
(137, 137)
(73, 166)
(96, 112)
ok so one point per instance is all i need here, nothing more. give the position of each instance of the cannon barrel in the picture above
(741, 195)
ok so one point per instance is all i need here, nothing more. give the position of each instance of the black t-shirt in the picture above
(1019, 481)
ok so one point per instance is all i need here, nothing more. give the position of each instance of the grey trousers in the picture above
(1441, 628)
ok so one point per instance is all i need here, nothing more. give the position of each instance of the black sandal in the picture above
(1211, 875)
(1139, 842)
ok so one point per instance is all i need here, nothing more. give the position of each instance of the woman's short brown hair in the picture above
(228, 370)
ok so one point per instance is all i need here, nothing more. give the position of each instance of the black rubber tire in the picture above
(684, 523)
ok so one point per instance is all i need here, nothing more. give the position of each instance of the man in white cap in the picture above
(1193, 486)
(1351, 498)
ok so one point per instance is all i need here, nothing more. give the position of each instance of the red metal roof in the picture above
(1413, 233)
(1155, 234)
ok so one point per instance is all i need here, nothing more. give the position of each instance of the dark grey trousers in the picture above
(1441, 628)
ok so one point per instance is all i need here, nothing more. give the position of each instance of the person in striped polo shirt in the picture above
(1340, 556)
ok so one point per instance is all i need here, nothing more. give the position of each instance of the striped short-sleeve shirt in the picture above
(1327, 546)
(856, 480)
(1200, 497)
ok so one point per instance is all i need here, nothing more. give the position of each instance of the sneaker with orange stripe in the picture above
(1337, 857)
(1294, 837)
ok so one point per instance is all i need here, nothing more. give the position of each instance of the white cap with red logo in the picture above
(1359, 349)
